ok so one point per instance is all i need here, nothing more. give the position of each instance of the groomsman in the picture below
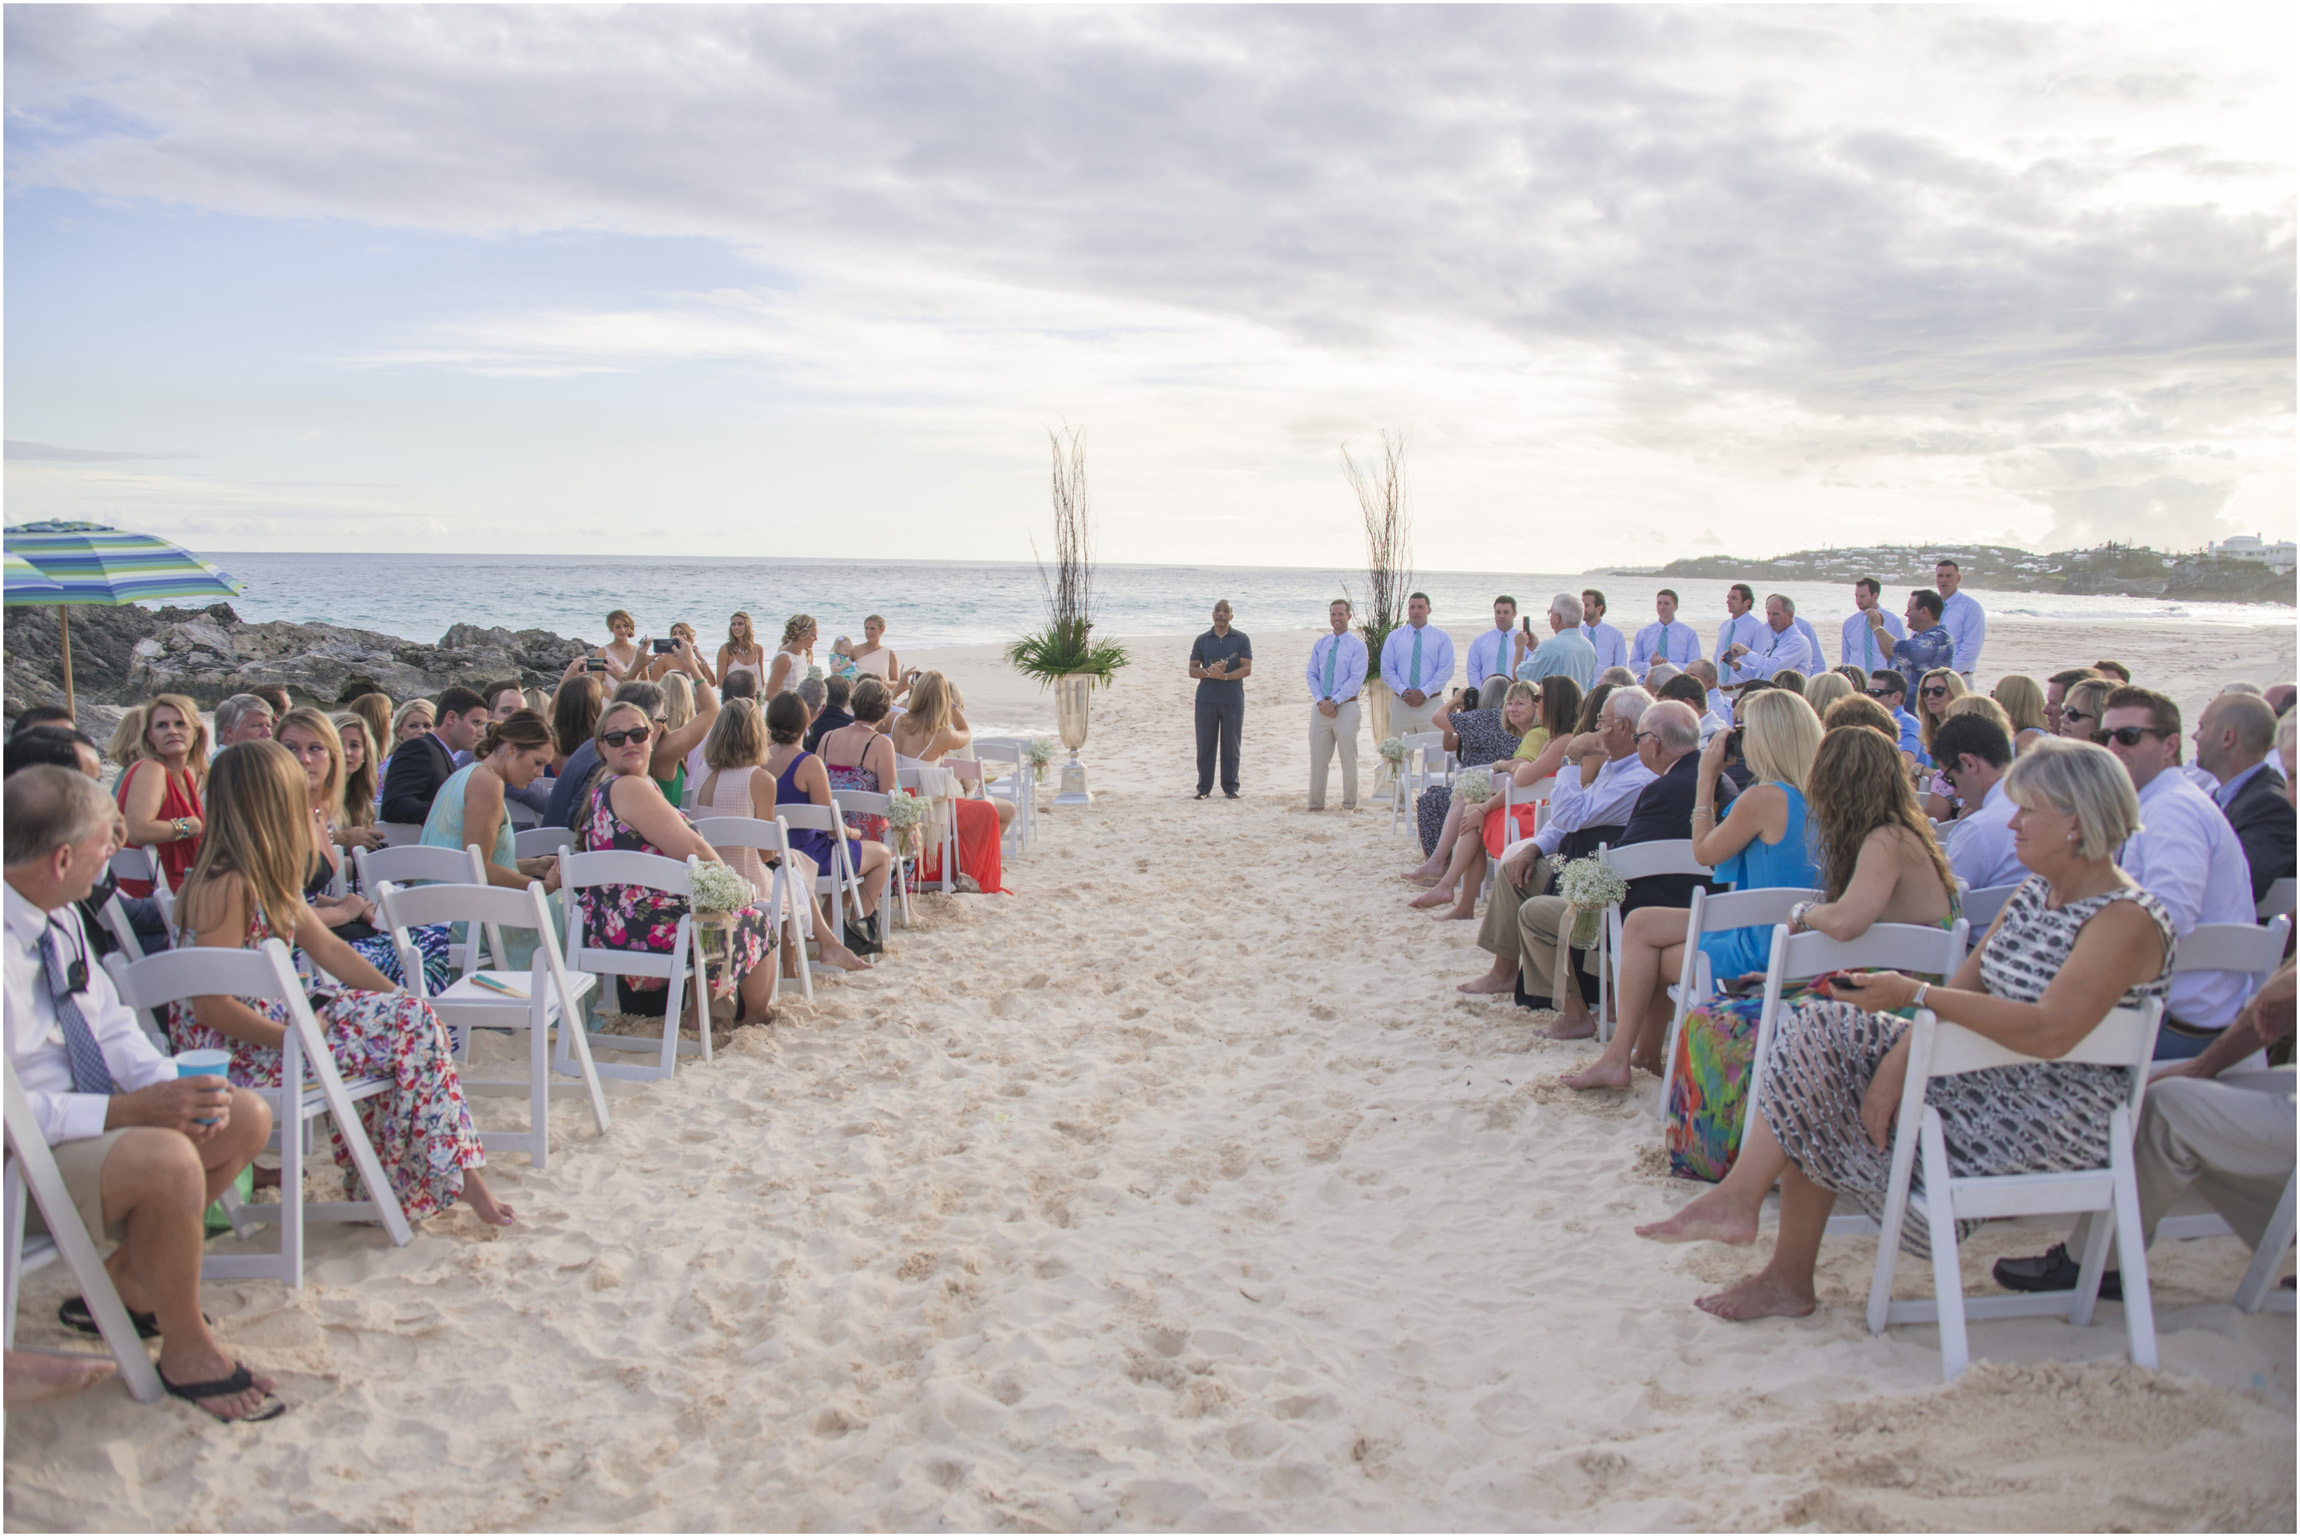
(1741, 628)
(1962, 617)
(1612, 650)
(1491, 654)
(1858, 646)
(1221, 659)
(1667, 639)
(1417, 664)
(1336, 672)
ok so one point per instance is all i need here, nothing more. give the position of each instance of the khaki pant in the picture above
(81, 1162)
(1325, 736)
(1406, 719)
(1521, 924)
(2231, 1137)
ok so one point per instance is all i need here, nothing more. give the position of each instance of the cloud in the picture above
(19, 448)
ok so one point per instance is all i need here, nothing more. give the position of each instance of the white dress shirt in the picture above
(1711, 724)
(1490, 655)
(1804, 627)
(1437, 660)
(1676, 642)
(1604, 802)
(2187, 857)
(36, 1039)
(1980, 846)
(1720, 707)
(1349, 667)
(1612, 650)
(1744, 631)
(1968, 626)
(1859, 648)
(1775, 651)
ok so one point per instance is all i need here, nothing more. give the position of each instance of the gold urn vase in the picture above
(1072, 693)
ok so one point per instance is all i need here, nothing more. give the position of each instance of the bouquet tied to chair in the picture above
(1039, 754)
(1589, 887)
(1474, 786)
(906, 815)
(719, 892)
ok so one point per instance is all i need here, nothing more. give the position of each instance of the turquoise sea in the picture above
(951, 603)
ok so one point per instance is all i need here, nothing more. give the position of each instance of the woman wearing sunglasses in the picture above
(2081, 707)
(626, 810)
(1934, 691)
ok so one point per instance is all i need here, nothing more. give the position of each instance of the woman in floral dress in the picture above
(626, 810)
(247, 888)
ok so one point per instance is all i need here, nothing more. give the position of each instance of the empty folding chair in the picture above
(545, 995)
(1426, 763)
(840, 882)
(2280, 899)
(543, 842)
(1006, 774)
(309, 1087)
(2126, 1039)
(397, 835)
(679, 967)
(1981, 907)
(921, 779)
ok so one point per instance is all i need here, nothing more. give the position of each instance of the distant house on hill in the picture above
(2279, 557)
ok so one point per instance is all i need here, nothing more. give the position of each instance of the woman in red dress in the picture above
(159, 793)
(933, 728)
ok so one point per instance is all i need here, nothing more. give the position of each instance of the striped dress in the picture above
(2030, 1118)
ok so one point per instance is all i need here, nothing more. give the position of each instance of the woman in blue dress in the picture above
(1760, 842)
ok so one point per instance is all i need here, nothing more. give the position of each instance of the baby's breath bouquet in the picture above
(1474, 786)
(720, 889)
(717, 894)
(1393, 750)
(1040, 754)
(905, 815)
(1589, 887)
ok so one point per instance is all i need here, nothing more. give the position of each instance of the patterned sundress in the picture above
(617, 917)
(855, 777)
(2029, 1118)
(420, 1128)
(1485, 738)
(431, 940)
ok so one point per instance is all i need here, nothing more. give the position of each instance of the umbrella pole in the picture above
(64, 629)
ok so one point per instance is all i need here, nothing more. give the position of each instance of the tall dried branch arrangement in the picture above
(1066, 645)
(1381, 492)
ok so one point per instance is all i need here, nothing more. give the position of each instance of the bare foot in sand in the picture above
(1488, 985)
(483, 1204)
(1761, 1296)
(1709, 1218)
(1436, 896)
(1420, 877)
(1458, 912)
(35, 1377)
(1604, 1073)
(1580, 1029)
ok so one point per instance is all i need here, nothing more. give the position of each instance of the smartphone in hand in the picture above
(665, 647)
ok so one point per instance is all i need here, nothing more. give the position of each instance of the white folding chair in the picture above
(2258, 1289)
(1633, 862)
(133, 864)
(1713, 913)
(400, 834)
(533, 1000)
(1981, 907)
(541, 842)
(310, 1086)
(1426, 763)
(2126, 1039)
(416, 864)
(2257, 949)
(115, 920)
(870, 803)
(32, 1173)
(787, 912)
(677, 967)
(907, 777)
(2281, 898)
(1006, 776)
(840, 882)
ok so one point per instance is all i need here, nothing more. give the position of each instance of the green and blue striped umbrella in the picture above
(64, 562)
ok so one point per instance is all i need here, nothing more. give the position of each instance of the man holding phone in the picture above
(1221, 659)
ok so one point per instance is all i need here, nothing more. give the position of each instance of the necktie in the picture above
(1414, 672)
(1333, 654)
(89, 1074)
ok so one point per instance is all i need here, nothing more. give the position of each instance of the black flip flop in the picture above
(74, 1313)
(239, 1381)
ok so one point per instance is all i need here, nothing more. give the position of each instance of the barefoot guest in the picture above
(142, 1151)
(1221, 659)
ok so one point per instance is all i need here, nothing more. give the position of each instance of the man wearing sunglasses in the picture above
(1974, 753)
(1891, 690)
(2185, 855)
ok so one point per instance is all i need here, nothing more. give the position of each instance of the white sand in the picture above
(1179, 1189)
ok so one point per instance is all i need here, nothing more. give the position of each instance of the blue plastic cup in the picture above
(208, 1059)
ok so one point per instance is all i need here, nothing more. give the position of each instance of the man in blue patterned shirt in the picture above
(1928, 646)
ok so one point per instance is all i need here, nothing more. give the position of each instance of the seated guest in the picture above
(243, 718)
(1942, 803)
(834, 714)
(376, 710)
(1596, 795)
(930, 730)
(625, 809)
(814, 693)
(2279, 697)
(2111, 669)
(275, 696)
(2186, 856)
(505, 699)
(1705, 670)
(1619, 677)
(1860, 710)
(160, 793)
(859, 756)
(362, 773)
(574, 711)
(1825, 690)
(471, 808)
(1891, 690)
(2023, 700)
(422, 764)
(743, 685)
(1556, 704)
(736, 783)
(1974, 755)
(685, 707)
(1567, 653)
(42, 715)
(2077, 940)
(62, 747)
(1928, 647)
(142, 1151)
(408, 722)
(571, 791)
(310, 738)
(1791, 679)
(59, 745)
(1933, 693)
(1661, 672)
(1496, 740)
(126, 745)
(2081, 709)
(535, 699)
(2233, 737)
(1687, 690)
(2056, 690)
(1476, 737)
(247, 888)
(1761, 842)
(799, 778)
(1612, 649)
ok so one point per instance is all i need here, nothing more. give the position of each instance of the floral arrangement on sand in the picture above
(1474, 786)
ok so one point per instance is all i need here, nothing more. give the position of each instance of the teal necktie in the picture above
(1869, 643)
(1333, 655)
(1414, 672)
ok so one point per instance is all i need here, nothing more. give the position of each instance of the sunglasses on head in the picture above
(2126, 736)
(627, 734)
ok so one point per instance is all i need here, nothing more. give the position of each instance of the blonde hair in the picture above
(127, 744)
(258, 827)
(1523, 689)
(1983, 706)
(929, 703)
(2023, 700)
(2080, 780)
(801, 625)
(196, 757)
(678, 700)
(359, 784)
(738, 737)
(1927, 721)
(2088, 697)
(406, 712)
(305, 718)
(1780, 737)
(1825, 689)
(750, 638)
(375, 709)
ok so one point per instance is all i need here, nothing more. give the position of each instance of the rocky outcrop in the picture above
(123, 655)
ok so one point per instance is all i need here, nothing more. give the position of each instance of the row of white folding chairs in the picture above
(1426, 763)
(1009, 777)
(143, 864)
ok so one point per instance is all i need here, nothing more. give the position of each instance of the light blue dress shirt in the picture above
(1859, 648)
(1804, 627)
(1436, 669)
(1980, 844)
(1349, 667)
(1968, 626)
(1604, 802)
(1745, 631)
(1775, 651)
(2187, 857)
(1567, 654)
(1489, 656)
(1612, 650)
(1676, 642)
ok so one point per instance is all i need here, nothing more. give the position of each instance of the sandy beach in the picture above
(1177, 1189)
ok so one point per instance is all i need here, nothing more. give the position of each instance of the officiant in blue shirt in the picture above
(1220, 660)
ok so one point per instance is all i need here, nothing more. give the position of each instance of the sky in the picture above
(1633, 282)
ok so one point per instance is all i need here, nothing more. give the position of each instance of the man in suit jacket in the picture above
(422, 764)
(2232, 740)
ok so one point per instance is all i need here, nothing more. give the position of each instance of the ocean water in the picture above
(953, 603)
